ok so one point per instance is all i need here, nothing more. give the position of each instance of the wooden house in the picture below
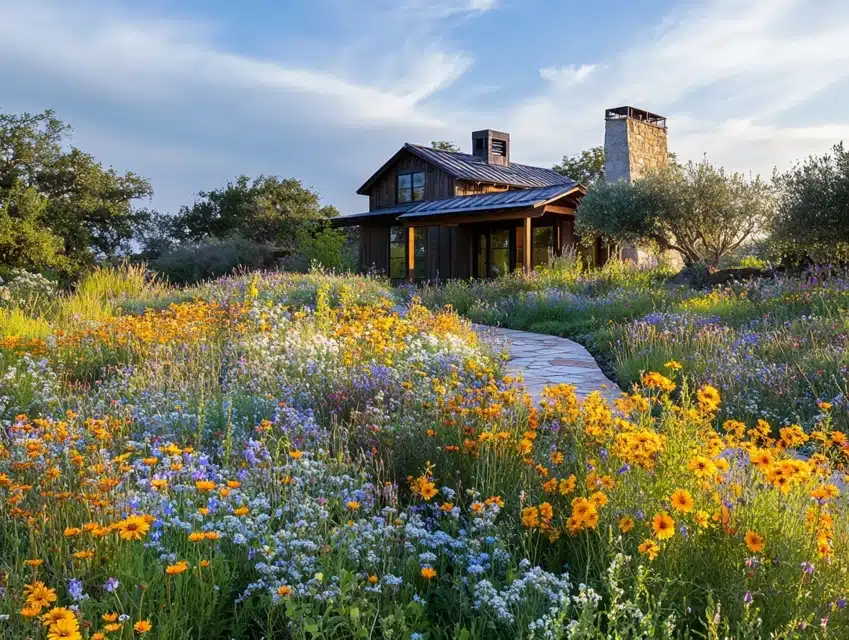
(438, 215)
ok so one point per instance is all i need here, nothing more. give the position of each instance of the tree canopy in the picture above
(59, 208)
(444, 145)
(813, 214)
(698, 210)
(587, 168)
(266, 209)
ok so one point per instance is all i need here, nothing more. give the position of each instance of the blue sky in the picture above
(191, 93)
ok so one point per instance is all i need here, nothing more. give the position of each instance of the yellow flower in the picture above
(649, 548)
(109, 617)
(446, 507)
(708, 397)
(197, 536)
(174, 569)
(112, 626)
(142, 626)
(38, 595)
(626, 524)
(672, 365)
(681, 500)
(64, 630)
(754, 541)
(70, 532)
(240, 511)
(428, 573)
(158, 483)
(702, 518)
(296, 455)
(204, 485)
(57, 614)
(132, 528)
(663, 526)
(30, 611)
(352, 505)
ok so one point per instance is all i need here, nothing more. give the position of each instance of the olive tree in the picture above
(699, 210)
(813, 214)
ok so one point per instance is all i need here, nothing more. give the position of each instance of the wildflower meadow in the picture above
(286, 456)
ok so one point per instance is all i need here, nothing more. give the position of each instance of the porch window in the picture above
(482, 258)
(411, 187)
(542, 245)
(420, 248)
(397, 253)
(500, 264)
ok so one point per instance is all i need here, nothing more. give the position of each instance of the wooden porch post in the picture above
(526, 247)
(411, 253)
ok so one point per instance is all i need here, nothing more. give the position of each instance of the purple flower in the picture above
(841, 603)
(112, 585)
(75, 588)
(747, 599)
(808, 568)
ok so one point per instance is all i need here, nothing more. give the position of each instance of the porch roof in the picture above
(499, 201)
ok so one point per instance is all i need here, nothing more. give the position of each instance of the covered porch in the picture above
(480, 236)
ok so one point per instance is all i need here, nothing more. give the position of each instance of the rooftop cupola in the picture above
(492, 146)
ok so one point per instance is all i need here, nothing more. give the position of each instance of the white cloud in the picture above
(166, 61)
(567, 76)
(708, 67)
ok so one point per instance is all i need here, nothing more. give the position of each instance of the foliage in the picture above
(236, 464)
(59, 208)
(267, 210)
(586, 169)
(327, 247)
(813, 199)
(445, 145)
(698, 210)
(192, 262)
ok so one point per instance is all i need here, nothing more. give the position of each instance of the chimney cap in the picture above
(620, 113)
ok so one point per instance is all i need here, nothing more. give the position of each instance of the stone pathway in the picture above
(547, 360)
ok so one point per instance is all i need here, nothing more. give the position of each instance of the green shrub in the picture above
(211, 259)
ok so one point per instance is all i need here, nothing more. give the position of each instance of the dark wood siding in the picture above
(374, 249)
(438, 184)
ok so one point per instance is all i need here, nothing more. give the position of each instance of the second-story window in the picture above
(411, 187)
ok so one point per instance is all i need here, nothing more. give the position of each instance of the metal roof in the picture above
(469, 167)
(352, 218)
(518, 199)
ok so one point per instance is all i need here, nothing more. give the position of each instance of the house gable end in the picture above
(382, 187)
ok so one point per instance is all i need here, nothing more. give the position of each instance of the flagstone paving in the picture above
(547, 360)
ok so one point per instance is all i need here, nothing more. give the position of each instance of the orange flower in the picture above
(754, 541)
(352, 505)
(626, 524)
(204, 485)
(428, 573)
(649, 548)
(296, 455)
(681, 500)
(142, 626)
(284, 590)
(174, 569)
(663, 526)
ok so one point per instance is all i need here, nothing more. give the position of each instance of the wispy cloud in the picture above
(567, 76)
(706, 66)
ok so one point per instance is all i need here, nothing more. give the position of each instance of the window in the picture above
(482, 259)
(420, 248)
(397, 253)
(542, 245)
(500, 258)
(411, 187)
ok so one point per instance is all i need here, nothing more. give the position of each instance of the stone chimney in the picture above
(492, 146)
(634, 143)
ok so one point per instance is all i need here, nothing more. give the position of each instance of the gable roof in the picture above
(469, 167)
(516, 199)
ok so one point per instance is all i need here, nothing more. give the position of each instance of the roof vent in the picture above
(492, 146)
